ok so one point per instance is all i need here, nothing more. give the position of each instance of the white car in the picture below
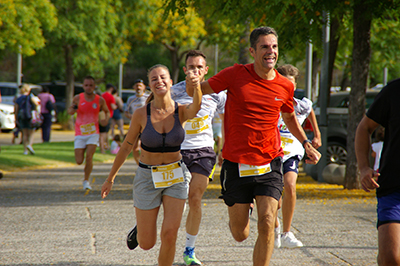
(7, 118)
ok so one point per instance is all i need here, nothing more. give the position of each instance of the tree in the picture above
(293, 18)
(87, 36)
(177, 33)
(22, 24)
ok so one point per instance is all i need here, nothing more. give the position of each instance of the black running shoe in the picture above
(131, 239)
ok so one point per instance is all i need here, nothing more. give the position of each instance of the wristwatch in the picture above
(305, 141)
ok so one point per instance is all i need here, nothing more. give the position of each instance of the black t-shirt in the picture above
(385, 110)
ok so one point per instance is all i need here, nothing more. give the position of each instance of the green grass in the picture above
(51, 154)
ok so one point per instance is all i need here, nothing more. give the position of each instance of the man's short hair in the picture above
(289, 70)
(89, 77)
(260, 31)
(194, 53)
(109, 86)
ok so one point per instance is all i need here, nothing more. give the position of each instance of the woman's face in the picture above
(160, 81)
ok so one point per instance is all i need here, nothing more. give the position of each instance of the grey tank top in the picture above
(152, 141)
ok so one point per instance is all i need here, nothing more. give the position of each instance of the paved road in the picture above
(47, 219)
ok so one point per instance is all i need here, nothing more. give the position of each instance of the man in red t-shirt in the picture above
(256, 95)
(110, 101)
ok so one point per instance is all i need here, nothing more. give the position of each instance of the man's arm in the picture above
(205, 87)
(362, 143)
(104, 108)
(297, 131)
(74, 106)
(316, 142)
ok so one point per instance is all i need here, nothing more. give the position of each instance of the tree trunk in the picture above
(244, 57)
(316, 63)
(175, 62)
(362, 18)
(70, 80)
(333, 46)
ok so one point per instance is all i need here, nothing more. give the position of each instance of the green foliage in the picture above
(22, 24)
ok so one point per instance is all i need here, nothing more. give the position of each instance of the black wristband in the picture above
(305, 141)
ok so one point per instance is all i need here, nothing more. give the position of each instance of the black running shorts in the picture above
(236, 189)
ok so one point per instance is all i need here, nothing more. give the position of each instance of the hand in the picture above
(103, 122)
(220, 159)
(105, 189)
(313, 155)
(369, 179)
(192, 77)
(316, 142)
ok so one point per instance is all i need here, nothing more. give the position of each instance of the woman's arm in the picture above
(191, 110)
(126, 148)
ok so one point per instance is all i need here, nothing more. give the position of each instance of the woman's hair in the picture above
(25, 88)
(151, 96)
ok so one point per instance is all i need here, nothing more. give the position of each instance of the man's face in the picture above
(139, 88)
(89, 86)
(266, 52)
(198, 65)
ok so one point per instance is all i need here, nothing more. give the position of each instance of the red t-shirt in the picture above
(252, 111)
(109, 100)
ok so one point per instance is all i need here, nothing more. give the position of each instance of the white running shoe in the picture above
(86, 185)
(278, 237)
(288, 240)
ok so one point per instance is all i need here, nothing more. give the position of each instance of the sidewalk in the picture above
(47, 219)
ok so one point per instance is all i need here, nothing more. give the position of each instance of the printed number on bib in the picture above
(196, 125)
(167, 175)
(88, 129)
(252, 170)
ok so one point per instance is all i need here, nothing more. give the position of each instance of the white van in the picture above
(10, 89)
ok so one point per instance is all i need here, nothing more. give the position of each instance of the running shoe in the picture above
(86, 185)
(30, 149)
(131, 239)
(189, 257)
(288, 240)
(277, 237)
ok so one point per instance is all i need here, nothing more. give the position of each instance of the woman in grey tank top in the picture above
(158, 164)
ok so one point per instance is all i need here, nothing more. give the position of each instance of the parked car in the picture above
(337, 124)
(10, 89)
(7, 118)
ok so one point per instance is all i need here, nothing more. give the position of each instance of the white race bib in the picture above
(252, 170)
(196, 125)
(88, 129)
(167, 175)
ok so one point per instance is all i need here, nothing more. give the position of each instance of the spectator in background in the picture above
(115, 144)
(117, 116)
(47, 105)
(110, 102)
(23, 107)
(134, 102)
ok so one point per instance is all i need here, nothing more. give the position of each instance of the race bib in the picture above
(196, 125)
(166, 175)
(88, 129)
(284, 143)
(252, 170)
